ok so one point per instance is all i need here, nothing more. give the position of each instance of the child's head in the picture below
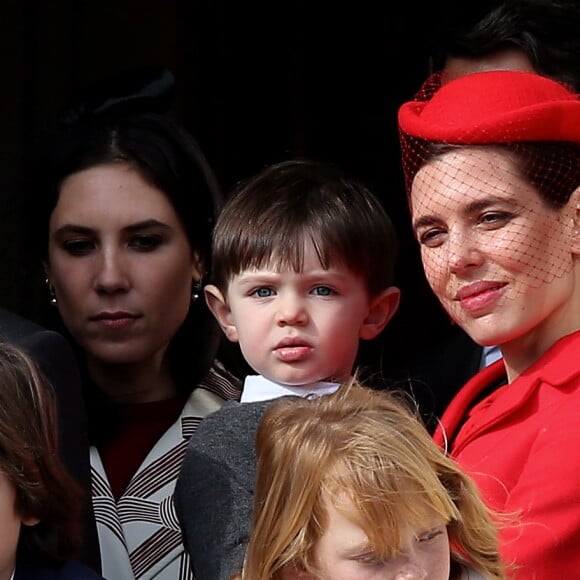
(350, 485)
(303, 262)
(40, 510)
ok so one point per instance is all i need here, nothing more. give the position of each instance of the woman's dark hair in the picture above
(125, 124)
(551, 167)
(29, 460)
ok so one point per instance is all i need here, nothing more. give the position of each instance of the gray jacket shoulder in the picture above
(215, 489)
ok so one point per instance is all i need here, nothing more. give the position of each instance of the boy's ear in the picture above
(219, 307)
(381, 310)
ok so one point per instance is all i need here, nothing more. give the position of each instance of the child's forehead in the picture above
(277, 264)
(302, 256)
(399, 515)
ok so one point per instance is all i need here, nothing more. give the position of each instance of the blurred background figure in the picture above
(40, 523)
(57, 363)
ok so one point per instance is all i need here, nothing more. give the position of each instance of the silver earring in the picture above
(195, 291)
(51, 292)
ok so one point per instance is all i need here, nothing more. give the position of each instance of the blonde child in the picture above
(350, 486)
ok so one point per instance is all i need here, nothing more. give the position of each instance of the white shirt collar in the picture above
(489, 355)
(258, 388)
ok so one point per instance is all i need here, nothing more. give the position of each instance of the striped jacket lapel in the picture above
(140, 534)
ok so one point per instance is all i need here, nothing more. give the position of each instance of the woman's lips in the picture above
(115, 320)
(479, 295)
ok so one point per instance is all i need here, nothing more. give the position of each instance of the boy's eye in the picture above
(78, 247)
(323, 291)
(145, 242)
(263, 292)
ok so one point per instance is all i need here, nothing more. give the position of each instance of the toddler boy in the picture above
(303, 262)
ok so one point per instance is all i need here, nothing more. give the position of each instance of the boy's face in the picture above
(298, 328)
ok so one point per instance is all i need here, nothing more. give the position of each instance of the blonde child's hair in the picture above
(371, 446)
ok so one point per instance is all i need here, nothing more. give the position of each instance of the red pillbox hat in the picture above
(495, 107)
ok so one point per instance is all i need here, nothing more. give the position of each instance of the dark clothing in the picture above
(215, 490)
(434, 379)
(66, 571)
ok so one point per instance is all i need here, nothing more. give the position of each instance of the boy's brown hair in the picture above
(268, 219)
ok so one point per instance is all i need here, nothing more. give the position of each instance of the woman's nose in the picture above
(411, 571)
(463, 253)
(111, 275)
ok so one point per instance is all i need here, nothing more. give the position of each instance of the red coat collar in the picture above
(555, 367)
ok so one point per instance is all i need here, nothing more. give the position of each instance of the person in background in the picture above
(350, 486)
(302, 271)
(492, 167)
(124, 208)
(529, 35)
(40, 511)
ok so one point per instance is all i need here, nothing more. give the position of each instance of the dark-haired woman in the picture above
(492, 164)
(126, 208)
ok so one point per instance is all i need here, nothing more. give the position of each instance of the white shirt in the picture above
(489, 355)
(259, 388)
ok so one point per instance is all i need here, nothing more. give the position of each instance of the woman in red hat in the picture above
(492, 168)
